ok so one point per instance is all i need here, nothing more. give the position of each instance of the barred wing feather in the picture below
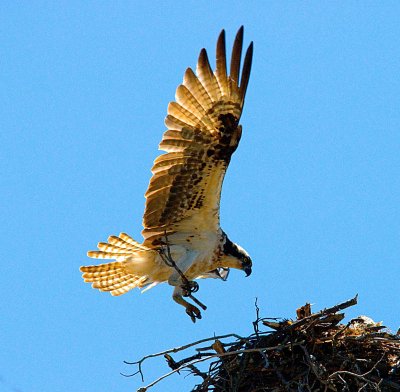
(203, 132)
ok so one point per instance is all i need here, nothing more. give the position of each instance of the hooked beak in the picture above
(247, 270)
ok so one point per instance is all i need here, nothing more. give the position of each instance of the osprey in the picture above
(183, 240)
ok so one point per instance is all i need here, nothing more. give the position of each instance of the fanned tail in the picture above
(117, 248)
(114, 277)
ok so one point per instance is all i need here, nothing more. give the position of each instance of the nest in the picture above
(316, 352)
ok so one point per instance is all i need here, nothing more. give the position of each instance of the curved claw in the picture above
(193, 312)
(194, 286)
(190, 288)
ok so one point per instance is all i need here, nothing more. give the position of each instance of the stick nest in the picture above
(316, 352)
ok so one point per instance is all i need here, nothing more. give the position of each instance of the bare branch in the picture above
(174, 350)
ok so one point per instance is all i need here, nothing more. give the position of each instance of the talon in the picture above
(194, 287)
(189, 288)
(193, 312)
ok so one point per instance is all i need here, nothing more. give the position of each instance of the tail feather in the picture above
(105, 247)
(115, 284)
(127, 238)
(109, 280)
(129, 286)
(118, 241)
(91, 277)
(113, 277)
(117, 247)
(94, 269)
(98, 254)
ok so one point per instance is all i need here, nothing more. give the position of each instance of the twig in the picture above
(361, 376)
(340, 331)
(228, 353)
(175, 365)
(197, 372)
(322, 313)
(188, 286)
(174, 350)
(313, 367)
(165, 253)
(257, 320)
(196, 301)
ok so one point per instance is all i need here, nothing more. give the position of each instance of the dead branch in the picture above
(174, 350)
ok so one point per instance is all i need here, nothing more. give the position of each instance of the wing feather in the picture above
(197, 89)
(175, 144)
(246, 72)
(206, 77)
(186, 99)
(176, 111)
(220, 71)
(203, 132)
(236, 56)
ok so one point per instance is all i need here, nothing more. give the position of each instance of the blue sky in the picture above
(312, 192)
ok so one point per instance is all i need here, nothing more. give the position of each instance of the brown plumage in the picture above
(183, 197)
(202, 134)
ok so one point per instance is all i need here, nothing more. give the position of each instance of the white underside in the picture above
(192, 253)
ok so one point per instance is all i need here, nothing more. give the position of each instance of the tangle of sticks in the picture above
(315, 352)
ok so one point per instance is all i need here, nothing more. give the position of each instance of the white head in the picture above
(234, 256)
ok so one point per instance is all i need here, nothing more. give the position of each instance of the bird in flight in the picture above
(183, 240)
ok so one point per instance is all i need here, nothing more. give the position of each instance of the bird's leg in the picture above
(189, 286)
(183, 286)
(169, 261)
(193, 312)
(165, 253)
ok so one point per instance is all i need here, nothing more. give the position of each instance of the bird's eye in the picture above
(247, 260)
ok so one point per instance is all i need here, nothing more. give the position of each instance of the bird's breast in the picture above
(207, 246)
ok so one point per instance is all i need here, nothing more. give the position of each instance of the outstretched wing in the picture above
(203, 132)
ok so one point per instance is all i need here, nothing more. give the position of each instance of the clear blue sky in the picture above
(312, 192)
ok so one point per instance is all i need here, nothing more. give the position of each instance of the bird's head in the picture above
(234, 256)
